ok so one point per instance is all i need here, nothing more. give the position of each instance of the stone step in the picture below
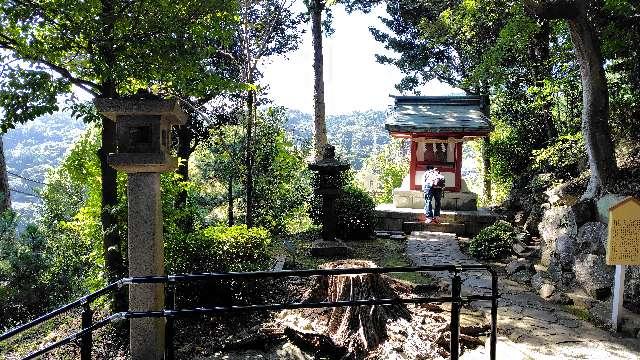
(452, 228)
(431, 234)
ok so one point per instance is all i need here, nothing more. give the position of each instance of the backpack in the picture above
(438, 181)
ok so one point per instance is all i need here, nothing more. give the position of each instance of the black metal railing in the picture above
(84, 336)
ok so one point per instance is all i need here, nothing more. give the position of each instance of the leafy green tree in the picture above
(595, 93)
(281, 178)
(221, 161)
(106, 48)
(388, 166)
(22, 267)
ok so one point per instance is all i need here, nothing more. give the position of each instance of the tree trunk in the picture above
(320, 133)
(5, 201)
(112, 242)
(355, 329)
(595, 93)
(543, 72)
(230, 200)
(485, 107)
(249, 159)
(595, 104)
(184, 151)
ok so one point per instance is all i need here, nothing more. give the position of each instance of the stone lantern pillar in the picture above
(143, 128)
(328, 170)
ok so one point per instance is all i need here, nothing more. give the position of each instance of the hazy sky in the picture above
(353, 78)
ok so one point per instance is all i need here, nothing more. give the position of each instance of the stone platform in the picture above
(414, 199)
(462, 223)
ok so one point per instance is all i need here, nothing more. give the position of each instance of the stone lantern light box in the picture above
(143, 131)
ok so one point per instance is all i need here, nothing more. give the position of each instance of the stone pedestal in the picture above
(146, 257)
(414, 199)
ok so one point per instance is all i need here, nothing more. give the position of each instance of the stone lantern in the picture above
(328, 170)
(143, 128)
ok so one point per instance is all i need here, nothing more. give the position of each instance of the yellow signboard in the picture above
(623, 243)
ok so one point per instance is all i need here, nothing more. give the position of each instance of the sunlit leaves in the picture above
(27, 94)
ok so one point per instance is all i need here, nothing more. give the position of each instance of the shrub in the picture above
(355, 210)
(219, 249)
(493, 242)
(566, 158)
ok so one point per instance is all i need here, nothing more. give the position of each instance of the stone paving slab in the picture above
(529, 325)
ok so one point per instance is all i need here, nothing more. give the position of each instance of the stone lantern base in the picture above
(337, 248)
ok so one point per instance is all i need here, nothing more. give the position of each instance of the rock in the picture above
(561, 299)
(556, 221)
(547, 290)
(592, 239)
(564, 251)
(604, 203)
(594, 276)
(584, 211)
(523, 237)
(519, 265)
(520, 218)
(519, 249)
(522, 277)
(543, 285)
(632, 284)
(533, 220)
(561, 195)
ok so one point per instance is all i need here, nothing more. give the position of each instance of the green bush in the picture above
(566, 158)
(219, 249)
(493, 242)
(355, 210)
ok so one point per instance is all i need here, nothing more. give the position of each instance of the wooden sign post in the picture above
(623, 247)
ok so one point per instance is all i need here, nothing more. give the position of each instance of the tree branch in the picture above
(88, 86)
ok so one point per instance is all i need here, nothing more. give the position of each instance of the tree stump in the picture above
(356, 329)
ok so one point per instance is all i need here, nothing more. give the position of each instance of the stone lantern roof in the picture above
(142, 103)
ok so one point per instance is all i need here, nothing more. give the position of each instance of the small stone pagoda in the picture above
(437, 127)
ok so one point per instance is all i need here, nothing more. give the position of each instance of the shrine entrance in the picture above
(437, 127)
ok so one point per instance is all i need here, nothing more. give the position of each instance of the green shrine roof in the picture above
(437, 114)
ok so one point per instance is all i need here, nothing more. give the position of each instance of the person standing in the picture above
(433, 184)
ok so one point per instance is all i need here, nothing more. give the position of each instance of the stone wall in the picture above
(573, 248)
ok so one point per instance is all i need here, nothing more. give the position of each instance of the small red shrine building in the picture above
(437, 127)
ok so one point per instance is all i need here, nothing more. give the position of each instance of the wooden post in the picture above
(618, 297)
(413, 165)
(623, 248)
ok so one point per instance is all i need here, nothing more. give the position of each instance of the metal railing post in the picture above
(170, 326)
(87, 339)
(456, 303)
(494, 316)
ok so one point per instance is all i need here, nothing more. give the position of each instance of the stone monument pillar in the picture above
(146, 257)
(143, 127)
(328, 171)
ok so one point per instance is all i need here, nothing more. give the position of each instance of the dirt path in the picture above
(529, 326)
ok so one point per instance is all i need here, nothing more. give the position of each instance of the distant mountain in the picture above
(32, 149)
(355, 135)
